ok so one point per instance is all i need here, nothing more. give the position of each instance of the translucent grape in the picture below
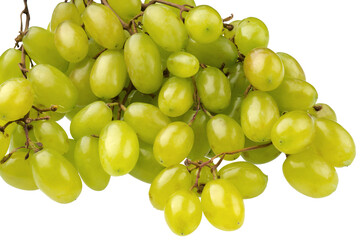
(80, 5)
(238, 81)
(167, 182)
(126, 9)
(136, 96)
(230, 34)
(69, 155)
(94, 48)
(70, 115)
(260, 155)
(63, 12)
(322, 110)
(182, 64)
(180, 2)
(291, 66)
(9, 64)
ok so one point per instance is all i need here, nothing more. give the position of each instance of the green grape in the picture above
(238, 81)
(103, 26)
(108, 74)
(291, 66)
(221, 51)
(18, 137)
(69, 155)
(322, 110)
(176, 96)
(164, 55)
(182, 64)
(70, 115)
(173, 143)
(251, 33)
(225, 135)
(260, 155)
(246, 177)
(17, 172)
(179, 2)
(293, 132)
(264, 69)
(143, 63)
(118, 148)
(51, 135)
(146, 168)
(204, 24)
(214, 89)
(136, 96)
(63, 12)
(201, 145)
(9, 64)
(170, 34)
(259, 113)
(167, 182)
(54, 116)
(16, 99)
(223, 205)
(230, 34)
(80, 76)
(87, 161)
(90, 120)
(126, 9)
(40, 46)
(206, 176)
(309, 174)
(146, 120)
(233, 110)
(80, 5)
(334, 143)
(294, 94)
(94, 48)
(55, 176)
(71, 41)
(53, 87)
(183, 212)
(4, 142)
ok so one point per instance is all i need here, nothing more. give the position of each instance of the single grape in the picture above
(264, 69)
(9, 64)
(230, 34)
(94, 48)
(136, 96)
(70, 115)
(69, 155)
(167, 182)
(251, 33)
(322, 110)
(126, 9)
(259, 113)
(164, 55)
(182, 64)
(16, 99)
(225, 135)
(233, 110)
(118, 148)
(309, 174)
(18, 137)
(17, 172)
(80, 5)
(291, 66)
(260, 155)
(223, 205)
(334, 143)
(204, 24)
(183, 212)
(238, 81)
(65, 12)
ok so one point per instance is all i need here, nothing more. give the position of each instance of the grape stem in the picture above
(197, 101)
(99, 53)
(8, 156)
(248, 90)
(53, 108)
(228, 18)
(182, 8)
(317, 107)
(123, 101)
(203, 66)
(228, 26)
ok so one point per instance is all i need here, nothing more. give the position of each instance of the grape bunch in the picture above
(166, 91)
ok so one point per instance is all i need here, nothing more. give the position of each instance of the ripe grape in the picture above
(69, 155)
(9, 64)
(182, 64)
(4, 142)
(322, 110)
(126, 9)
(260, 155)
(291, 66)
(64, 12)
(238, 81)
(18, 137)
(230, 34)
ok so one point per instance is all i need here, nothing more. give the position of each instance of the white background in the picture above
(324, 36)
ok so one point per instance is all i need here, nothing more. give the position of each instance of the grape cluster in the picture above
(150, 85)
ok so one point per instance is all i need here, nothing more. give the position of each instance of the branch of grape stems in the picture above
(122, 103)
(8, 156)
(52, 108)
(197, 100)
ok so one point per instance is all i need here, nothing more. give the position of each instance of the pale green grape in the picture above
(206, 176)
(9, 64)
(63, 12)
(80, 5)
(136, 96)
(176, 96)
(246, 177)
(221, 51)
(293, 132)
(214, 89)
(143, 63)
(17, 172)
(167, 182)
(146, 120)
(18, 137)
(291, 66)
(4, 142)
(334, 143)
(40, 46)
(71, 41)
(126, 9)
(146, 168)
(55, 176)
(230, 34)
(173, 143)
(251, 33)
(223, 205)
(180, 2)
(51, 135)
(233, 110)
(264, 69)
(69, 155)
(183, 212)
(322, 110)
(259, 113)
(87, 161)
(164, 55)
(90, 120)
(80, 76)
(94, 48)
(182, 64)
(118, 148)
(204, 24)
(103, 26)
(53, 87)
(16, 99)
(70, 115)
(225, 135)
(309, 174)
(294, 94)
(201, 145)
(108, 74)
(261, 155)
(238, 81)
